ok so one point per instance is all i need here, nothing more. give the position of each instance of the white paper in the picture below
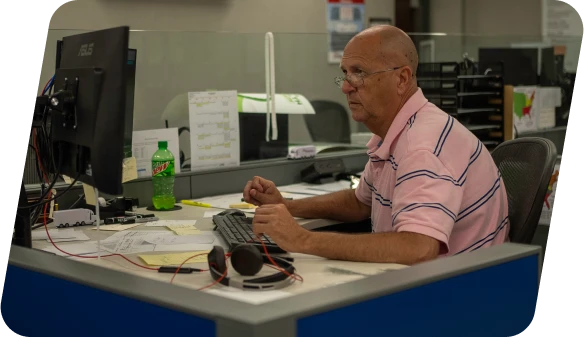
(131, 242)
(145, 143)
(77, 236)
(164, 223)
(55, 234)
(178, 240)
(292, 104)
(210, 214)
(252, 297)
(84, 248)
(214, 128)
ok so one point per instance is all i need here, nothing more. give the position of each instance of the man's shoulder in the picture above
(430, 127)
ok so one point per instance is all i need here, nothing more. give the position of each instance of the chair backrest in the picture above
(330, 123)
(526, 165)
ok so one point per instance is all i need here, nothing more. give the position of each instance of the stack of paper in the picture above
(131, 242)
(184, 229)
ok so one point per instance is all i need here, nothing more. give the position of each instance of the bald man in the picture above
(430, 187)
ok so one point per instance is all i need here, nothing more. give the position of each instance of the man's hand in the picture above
(276, 222)
(260, 191)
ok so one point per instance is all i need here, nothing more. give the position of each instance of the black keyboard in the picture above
(237, 230)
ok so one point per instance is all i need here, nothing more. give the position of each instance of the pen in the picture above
(195, 203)
(139, 220)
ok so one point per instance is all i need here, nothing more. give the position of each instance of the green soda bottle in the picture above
(163, 177)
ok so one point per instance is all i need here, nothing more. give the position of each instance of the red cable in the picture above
(85, 256)
(36, 149)
(185, 261)
(294, 276)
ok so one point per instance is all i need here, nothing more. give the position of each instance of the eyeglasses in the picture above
(356, 80)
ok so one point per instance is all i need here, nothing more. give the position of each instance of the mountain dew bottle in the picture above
(163, 177)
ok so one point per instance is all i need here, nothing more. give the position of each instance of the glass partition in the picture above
(173, 63)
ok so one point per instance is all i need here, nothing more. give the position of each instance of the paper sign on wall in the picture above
(345, 18)
(145, 143)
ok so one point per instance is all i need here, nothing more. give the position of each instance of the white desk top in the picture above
(316, 271)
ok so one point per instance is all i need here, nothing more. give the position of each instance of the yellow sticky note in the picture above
(243, 205)
(130, 170)
(184, 229)
(89, 192)
(174, 258)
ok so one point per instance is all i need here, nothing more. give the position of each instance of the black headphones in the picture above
(248, 261)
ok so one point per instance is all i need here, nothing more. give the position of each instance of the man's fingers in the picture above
(261, 218)
(260, 229)
(246, 191)
(257, 184)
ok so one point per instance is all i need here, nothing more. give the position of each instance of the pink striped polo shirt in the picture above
(431, 175)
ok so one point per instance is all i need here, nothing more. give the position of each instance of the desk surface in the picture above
(317, 272)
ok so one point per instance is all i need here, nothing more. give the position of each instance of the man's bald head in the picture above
(392, 45)
(379, 65)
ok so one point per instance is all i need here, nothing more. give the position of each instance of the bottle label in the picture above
(163, 168)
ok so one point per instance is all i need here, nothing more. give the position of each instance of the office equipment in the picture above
(521, 64)
(302, 152)
(472, 92)
(254, 120)
(237, 230)
(90, 96)
(526, 166)
(248, 261)
(328, 113)
(322, 172)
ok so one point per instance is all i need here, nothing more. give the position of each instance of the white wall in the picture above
(470, 24)
(214, 44)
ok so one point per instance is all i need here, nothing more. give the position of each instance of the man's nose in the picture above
(347, 88)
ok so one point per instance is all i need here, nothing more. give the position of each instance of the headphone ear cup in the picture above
(216, 258)
(246, 260)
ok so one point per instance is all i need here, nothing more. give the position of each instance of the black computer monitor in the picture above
(520, 64)
(130, 91)
(89, 108)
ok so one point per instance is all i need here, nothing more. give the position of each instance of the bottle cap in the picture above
(163, 144)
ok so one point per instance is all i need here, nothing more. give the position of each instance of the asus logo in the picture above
(86, 50)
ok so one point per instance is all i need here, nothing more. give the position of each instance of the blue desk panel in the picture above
(495, 301)
(35, 304)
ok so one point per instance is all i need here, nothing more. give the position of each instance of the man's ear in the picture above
(405, 77)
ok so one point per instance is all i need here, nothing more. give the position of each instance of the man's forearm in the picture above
(403, 248)
(341, 206)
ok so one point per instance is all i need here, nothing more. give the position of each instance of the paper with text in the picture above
(184, 229)
(116, 228)
(180, 240)
(214, 127)
(175, 258)
(130, 170)
(145, 143)
(166, 223)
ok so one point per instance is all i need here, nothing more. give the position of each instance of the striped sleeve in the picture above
(364, 189)
(427, 197)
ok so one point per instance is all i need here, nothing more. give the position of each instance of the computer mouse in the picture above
(234, 212)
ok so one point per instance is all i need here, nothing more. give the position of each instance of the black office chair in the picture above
(526, 165)
(329, 124)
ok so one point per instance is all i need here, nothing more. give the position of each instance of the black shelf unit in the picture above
(476, 101)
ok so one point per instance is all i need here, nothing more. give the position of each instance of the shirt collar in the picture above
(380, 147)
